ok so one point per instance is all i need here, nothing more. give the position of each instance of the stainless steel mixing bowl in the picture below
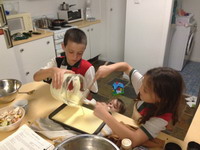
(87, 142)
(9, 89)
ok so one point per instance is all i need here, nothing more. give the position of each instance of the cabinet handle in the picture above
(111, 9)
(27, 73)
(92, 29)
(88, 30)
(21, 50)
(48, 42)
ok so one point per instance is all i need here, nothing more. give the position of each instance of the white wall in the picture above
(193, 6)
(38, 8)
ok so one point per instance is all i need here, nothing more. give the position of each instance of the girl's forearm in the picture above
(122, 66)
(138, 137)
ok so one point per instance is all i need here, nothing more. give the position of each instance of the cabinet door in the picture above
(87, 53)
(8, 62)
(115, 29)
(33, 55)
(95, 40)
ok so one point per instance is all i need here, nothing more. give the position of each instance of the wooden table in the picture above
(41, 104)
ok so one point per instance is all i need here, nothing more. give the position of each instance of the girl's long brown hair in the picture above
(168, 86)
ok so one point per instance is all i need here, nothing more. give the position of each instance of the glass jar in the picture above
(71, 90)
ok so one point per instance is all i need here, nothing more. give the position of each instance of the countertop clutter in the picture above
(45, 33)
(34, 37)
(42, 98)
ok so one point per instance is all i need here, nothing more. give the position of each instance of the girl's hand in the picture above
(103, 71)
(101, 110)
(57, 76)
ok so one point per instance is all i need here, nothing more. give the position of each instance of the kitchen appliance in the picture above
(88, 11)
(43, 22)
(182, 45)
(20, 22)
(87, 142)
(71, 15)
(65, 6)
(146, 39)
(4, 27)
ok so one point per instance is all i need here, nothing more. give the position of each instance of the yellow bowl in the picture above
(14, 125)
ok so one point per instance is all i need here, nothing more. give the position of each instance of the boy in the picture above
(74, 45)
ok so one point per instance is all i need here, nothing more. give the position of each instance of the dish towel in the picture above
(51, 130)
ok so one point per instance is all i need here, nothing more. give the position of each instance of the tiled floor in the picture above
(191, 76)
(105, 93)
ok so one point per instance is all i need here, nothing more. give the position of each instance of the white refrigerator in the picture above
(148, 33)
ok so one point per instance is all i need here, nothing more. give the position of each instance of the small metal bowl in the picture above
(9, 89)
(87, 142)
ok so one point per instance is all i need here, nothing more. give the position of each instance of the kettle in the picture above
(64, 6)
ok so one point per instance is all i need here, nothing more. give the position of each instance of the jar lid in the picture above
(126, 143)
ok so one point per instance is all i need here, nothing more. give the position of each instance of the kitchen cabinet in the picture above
(8, 62)
(31, 56)
(86, 54)
(113, 15)
(93, 33)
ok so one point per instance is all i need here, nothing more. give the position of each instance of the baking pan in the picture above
(80, 119)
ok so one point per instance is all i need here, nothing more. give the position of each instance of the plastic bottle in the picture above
(126, 144)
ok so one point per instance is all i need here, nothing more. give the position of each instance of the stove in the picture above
(58, 35)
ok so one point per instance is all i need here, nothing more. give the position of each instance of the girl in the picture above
(159, 91)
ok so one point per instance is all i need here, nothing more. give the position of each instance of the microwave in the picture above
(19, 23)
(71, 15)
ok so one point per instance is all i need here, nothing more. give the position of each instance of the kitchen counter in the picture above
(34, 37)
(44, 33)
(84, 23)
(42, 98)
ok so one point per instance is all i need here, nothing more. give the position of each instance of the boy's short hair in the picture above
(75, 35)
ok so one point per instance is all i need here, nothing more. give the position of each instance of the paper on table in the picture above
(25, 139)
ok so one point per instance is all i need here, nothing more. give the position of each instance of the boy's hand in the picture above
(57, 76)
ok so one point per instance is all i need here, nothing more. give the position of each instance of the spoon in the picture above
(87, 91)
(29, 92)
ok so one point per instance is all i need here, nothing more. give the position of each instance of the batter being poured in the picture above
(71, 91)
